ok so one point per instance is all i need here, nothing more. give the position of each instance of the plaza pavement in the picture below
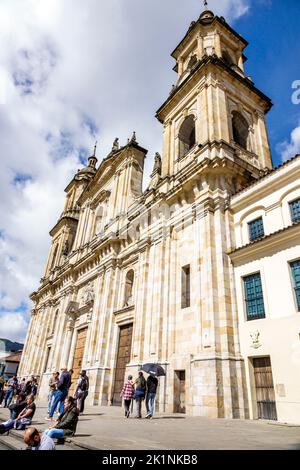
(106, 428)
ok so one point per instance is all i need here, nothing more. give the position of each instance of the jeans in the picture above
(150, 403)
(50, 399)
(55, 433)
(20, 424)
(81, 396)
(127, 404)
(59, 397)
(138, 404)
(8, 397)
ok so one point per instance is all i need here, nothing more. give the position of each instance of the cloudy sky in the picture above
(72, 71)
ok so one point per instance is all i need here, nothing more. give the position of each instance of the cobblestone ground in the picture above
(105, 428)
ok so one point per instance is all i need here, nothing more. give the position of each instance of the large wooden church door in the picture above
(78, 357)
(123, 358)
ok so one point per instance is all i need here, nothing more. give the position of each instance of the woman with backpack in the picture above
(82, 391)
(139, 394)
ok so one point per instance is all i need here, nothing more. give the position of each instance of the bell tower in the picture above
(214, 108)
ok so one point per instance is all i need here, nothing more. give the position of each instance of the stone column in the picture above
(166, 148)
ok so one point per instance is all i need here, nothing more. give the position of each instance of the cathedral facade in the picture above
(139, 276)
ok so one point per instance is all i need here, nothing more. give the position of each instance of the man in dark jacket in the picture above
(152, 384)
(67, 422)
(61, 393)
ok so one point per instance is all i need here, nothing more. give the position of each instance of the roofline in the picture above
(268, 174)
(216, 19)
(262, 239)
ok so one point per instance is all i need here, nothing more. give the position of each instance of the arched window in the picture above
(240, 129)
(128, 299)
(187, 136)
(54, 258)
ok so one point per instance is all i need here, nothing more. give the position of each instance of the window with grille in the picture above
(295, 210)
(254, 298)
(256, 229)
(295, 267)
(186, 287)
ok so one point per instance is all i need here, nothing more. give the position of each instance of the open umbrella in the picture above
(153, 369)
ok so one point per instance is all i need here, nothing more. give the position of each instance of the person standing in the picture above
(63, 386)
(152, 384)
(12, 386)
(34, 387)
(53, 383)
(139, 394)
(127, 394)
(82, 391)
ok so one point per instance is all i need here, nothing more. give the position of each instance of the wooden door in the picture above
(78, 357)
(123, 358)
(179, 391)
(265, 393)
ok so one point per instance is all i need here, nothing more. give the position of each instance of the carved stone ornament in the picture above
(255, 339)
(88, 295)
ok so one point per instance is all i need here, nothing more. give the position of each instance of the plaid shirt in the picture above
(127, 391)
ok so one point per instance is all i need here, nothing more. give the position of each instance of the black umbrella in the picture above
(153, 369)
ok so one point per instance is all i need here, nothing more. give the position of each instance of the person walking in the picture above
(82, 391)
(139, 394)
(127, 394)
(53, 383)
(34, 387)
(63, 386)
(152, 384)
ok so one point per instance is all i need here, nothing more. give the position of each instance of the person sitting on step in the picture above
(66, 424)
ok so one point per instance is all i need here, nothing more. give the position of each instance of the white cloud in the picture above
(70, 67)
(291, 148)
(13, 326)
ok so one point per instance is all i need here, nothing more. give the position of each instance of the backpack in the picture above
(83, 384)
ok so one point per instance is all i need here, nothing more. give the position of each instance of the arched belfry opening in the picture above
(228, 58)
(187, 135)
(240, 129)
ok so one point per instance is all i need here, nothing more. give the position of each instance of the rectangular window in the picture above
(186, 287)
(254, 297)
(295, 267)
(256, 229)
(295, 211)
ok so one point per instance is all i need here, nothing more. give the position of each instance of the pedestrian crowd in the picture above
(19, 398)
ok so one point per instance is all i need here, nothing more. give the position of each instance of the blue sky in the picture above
(76, 71)
(272, 29)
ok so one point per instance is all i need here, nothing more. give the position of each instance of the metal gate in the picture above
(265, 393)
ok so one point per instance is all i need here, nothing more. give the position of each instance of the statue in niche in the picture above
(157, 163)
(66, 249)
(88, 296)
